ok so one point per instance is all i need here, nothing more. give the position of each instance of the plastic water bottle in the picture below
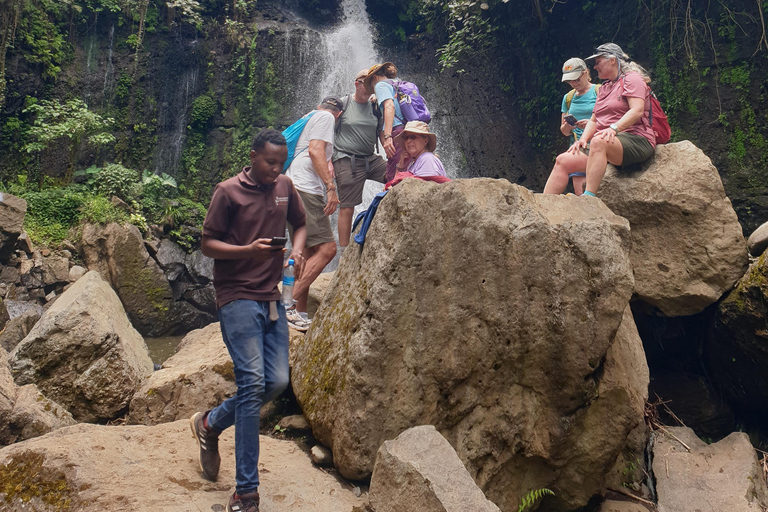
(288, 282)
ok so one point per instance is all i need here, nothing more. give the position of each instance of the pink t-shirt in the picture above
(611, 104)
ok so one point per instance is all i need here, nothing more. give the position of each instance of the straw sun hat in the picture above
(389, 72)
(420, 128)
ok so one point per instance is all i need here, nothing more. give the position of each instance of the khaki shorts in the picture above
(351, 181)
(318, 224)
(636, 149)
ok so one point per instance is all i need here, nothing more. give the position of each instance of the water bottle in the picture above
(288, 282)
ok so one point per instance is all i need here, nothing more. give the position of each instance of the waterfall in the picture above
(172, 120)
(109, 73)
(342, 52)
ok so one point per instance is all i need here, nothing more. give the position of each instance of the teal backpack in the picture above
(292, 134)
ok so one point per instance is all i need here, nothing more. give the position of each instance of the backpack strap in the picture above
(345, 102)
(569, 99)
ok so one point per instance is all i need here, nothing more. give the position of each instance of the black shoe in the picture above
(245, 503)
(208, 442)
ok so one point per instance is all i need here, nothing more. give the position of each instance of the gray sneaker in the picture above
(208, 442)
(295, 320)
(245, 503)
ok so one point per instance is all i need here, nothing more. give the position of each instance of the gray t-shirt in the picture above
(357, 130)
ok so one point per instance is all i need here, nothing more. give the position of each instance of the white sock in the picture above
(341, 250)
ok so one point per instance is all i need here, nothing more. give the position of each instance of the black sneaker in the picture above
(208, 442)
(245, 503)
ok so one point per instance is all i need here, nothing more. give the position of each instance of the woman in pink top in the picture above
(619, 131)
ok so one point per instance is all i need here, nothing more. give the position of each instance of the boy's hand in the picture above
(260, 250)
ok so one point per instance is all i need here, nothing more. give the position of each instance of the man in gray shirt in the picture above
(353, 157)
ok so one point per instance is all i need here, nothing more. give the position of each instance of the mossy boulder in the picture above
(489, 312)
(736, 352)
(83, 352)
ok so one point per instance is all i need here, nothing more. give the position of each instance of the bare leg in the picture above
(579, 182)
(600, 153)
(317, 257)
(565, 164)
(345, 225)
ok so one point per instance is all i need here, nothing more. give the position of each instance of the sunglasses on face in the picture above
(412, 137)
(359, 81)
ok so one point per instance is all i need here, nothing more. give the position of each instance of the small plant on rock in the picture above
(532, 497)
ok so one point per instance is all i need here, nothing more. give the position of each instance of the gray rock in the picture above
(76, 272)
(12, 212)
(623, 506)
(687, 244)
(321, 455)
(719, 476)
(4, 315)
(295, 423)
(32, 415)
(19, 307)
(18, 328)
(502, 349)
(9, 275)
(200, 267)
(171, 258)
(197, 377)
(758, 240)
(419, 470)
(83, 352)
(55, 270)
(202, 298)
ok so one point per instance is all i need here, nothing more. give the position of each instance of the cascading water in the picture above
(172, 118)
(109, 73)
(342, 53)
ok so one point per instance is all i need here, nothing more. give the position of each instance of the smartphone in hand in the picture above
(570, 119)
(279, 241)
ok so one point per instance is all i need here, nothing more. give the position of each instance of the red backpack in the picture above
(659, 121)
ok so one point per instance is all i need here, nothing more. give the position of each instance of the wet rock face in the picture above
(119, 254)
(84, 353)
(687, 244)
(736, 352)
(488, 312)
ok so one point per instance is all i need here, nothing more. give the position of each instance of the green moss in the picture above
(226, 370)
(26, 477)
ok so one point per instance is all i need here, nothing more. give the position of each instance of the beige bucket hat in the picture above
(420, 128)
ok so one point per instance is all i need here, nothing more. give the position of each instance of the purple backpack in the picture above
(412, 104)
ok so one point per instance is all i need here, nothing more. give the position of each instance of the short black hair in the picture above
(267, 135)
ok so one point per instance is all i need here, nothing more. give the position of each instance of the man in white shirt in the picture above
(311, 173)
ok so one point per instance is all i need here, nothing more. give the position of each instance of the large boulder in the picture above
(92, 468)
(758, 240)
(692, 475)
(736, 352)
(119, 254)
(198, 377)
(24, 411)
(419, 470)
(488, 312)
(687, 244)
(83, 352)
(12, 212)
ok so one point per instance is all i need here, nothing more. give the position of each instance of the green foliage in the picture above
(116, 180)
(71, 120)
(532, 497)
(203, 109)
(55, 205)
(41, 39)
(100, 210)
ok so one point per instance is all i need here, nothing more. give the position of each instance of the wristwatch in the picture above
(614, 128)
(387, 136)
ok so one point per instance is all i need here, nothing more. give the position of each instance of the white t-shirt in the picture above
(319, 127)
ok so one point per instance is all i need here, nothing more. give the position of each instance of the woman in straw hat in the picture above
(376, 83)
(419, 144)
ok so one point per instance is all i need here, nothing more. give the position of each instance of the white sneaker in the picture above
(295, 320)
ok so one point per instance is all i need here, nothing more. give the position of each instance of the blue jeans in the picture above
(259, 352)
